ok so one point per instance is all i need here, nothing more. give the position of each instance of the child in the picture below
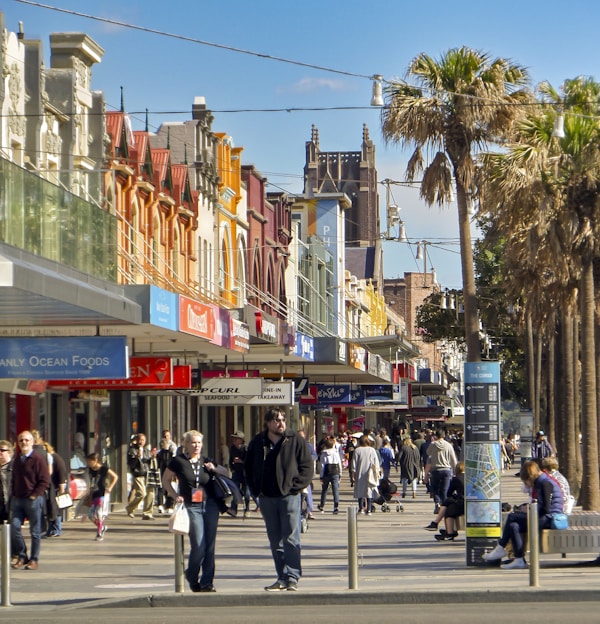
(102, 481)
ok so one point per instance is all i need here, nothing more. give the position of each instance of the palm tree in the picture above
(547, 191)
(452, 106)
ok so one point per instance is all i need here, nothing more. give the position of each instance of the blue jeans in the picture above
(203, 535)
(282, 520)
(440, 482)
(22, 508)
(334, 480)
(55, 526)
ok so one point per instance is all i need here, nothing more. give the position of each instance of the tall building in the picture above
(351, 173)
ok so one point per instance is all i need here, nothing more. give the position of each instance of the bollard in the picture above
(179, 564)
(352, 547)
(533, 534)
(5, 563)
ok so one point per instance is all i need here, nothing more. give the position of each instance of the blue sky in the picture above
(553, 39)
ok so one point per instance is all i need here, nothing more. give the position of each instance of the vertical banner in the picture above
(483, 468)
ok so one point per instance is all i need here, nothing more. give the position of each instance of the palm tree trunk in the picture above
(551, 378)
(531, 372)
(468, 275)
(590, 485)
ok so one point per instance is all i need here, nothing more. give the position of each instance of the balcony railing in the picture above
(49, 221)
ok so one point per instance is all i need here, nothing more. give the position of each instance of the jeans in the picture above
(55, 526)
(365, 504)
(26, 508)
(334, 480)
(405, 482)
(203, 535)
(282, 520)
(440, 482)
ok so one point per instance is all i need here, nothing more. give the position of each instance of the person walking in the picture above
(441, 461)
(331, 473)
(237, 456)
(30, 480)
(367, 468)
(59, 477)
(6, 462)
(138, 462)
(102, 481)
(541, 448)
(278, 467)
(409, 461)
(191, 471)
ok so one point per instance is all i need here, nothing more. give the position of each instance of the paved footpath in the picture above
(399, 562)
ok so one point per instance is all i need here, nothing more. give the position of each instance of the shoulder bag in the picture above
(559, 521)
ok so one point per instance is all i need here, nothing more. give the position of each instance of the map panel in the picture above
(482, 471)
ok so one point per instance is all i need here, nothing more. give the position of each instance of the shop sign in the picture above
(377, 392)
(240, 336)
(384, 369)
(272, 393)
(222, 336)
(196, 318)
(333, 393)
(227, 387)
(97, 357)
(358, 357)
(163, 308)
(304, 347)
(374, 364)
(143, 372)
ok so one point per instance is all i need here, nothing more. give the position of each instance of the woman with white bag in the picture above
(191, 471)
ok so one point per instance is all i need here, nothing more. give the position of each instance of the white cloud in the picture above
(312, 85)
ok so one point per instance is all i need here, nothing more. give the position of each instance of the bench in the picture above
(575, 539)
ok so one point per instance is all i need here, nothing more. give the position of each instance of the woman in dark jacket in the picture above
(548, 495)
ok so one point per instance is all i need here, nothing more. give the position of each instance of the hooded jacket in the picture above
(294, 466)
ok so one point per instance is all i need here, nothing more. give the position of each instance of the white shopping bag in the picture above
(179, 522)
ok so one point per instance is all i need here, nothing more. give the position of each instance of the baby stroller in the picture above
(387, 491)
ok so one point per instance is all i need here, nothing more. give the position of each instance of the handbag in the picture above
(559, 521)
(221, 486)
(64, 501)
(179, 522)
(373, 476)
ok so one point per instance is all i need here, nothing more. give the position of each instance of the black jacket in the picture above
(294, 467)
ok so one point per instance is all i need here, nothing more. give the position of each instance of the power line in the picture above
(220, 46)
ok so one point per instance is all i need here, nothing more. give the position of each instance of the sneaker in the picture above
(335, 512)
(498, 553)
(161, 509)
(131, 515)
(436, 509)
(321, 508)
(99, 537)
(277, 586)
(432, 526)
(207, 589)
(292, 585)
(147, 517)
(516, 564)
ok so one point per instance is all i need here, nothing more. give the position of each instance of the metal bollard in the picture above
(352, 547)
(5, 563)
(533, 534)
(179, 564)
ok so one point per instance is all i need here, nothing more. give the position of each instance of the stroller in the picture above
(387, 491)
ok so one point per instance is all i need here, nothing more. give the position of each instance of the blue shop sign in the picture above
(164, 308)
(97, 357)
(304, 347)
(333, 393)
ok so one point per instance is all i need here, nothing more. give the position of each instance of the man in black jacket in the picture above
(138, 460)
(278, 467)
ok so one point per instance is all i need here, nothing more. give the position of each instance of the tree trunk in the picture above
(531, 372)
(468, 275)
(551, 378)
(590, 484)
